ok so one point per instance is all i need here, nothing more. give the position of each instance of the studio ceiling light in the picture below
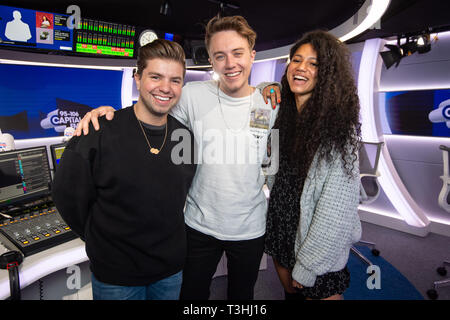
(393, 56)
(424, 43)
(412, 44)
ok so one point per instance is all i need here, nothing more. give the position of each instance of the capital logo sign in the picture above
(60, 120)
(68, 114)
(441, 114)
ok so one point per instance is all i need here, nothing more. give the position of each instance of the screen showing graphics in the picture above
(24, 174)
(104, 38)
(25, 28)
(57, 151)
(420, 113)
(38, 101)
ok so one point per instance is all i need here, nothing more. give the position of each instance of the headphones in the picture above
(10, 261)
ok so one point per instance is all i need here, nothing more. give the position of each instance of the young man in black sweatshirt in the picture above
(122, 189)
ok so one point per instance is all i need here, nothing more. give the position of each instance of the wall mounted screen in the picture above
(34, 30)
(38, 101)
(419, 113)
(103, 38)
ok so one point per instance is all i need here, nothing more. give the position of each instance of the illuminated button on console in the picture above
(34, 230)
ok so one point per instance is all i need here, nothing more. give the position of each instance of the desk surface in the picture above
(41, 264)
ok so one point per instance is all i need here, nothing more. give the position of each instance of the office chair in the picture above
(369, 156)
(444, 195)
(444, 203)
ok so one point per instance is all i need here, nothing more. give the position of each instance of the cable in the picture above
(14, 282)
(41, 289)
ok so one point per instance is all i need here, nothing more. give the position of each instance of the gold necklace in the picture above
(153, 150)
(223, 115)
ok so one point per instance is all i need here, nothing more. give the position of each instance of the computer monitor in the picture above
(34, 30)
(24, 175)
(56, 151)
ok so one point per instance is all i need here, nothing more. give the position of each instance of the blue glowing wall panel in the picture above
(419, 113)
(38, 101)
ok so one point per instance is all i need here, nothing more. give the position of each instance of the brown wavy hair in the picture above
(160, 49)
(330, 117)
(233, 23)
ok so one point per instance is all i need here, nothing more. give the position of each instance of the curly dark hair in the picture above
(330, 117)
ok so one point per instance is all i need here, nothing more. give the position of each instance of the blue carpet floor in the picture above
(393, 285)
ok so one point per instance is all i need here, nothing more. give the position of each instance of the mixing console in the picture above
(36, 229)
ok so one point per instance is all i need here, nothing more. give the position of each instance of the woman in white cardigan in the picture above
(313, 209)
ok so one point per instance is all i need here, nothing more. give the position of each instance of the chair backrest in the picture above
(445, 155)
(369, 156)
(444, 195)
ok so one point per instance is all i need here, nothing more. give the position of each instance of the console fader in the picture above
(36, 229)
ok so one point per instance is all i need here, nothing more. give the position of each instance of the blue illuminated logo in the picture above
(446, 112)
(441, 114)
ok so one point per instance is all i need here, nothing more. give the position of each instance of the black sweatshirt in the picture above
(124, 202)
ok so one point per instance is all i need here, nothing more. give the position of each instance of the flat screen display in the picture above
(103, 38)
(57, 151)
(24, 174)
(31, 29)
(419, 113)
(41, 101)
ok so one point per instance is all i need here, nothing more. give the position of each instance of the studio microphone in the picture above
(68, 133)
(6, 142)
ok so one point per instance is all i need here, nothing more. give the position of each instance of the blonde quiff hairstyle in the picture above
(233, 23)
(160, 49)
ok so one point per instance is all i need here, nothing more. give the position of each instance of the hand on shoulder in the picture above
(92, 116)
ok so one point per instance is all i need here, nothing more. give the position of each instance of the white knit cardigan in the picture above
(329, 222)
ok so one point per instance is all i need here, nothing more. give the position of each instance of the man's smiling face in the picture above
(232, 59)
